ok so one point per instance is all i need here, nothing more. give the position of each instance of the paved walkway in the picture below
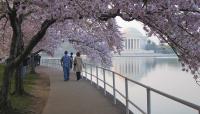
(75, 97)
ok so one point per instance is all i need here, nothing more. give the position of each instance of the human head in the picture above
(78, 54)
(66, 52)
(71, 53)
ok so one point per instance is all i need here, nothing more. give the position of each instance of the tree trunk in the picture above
(32, 65)
(19, 86)
(14, 60)
(5, 105)
(9, 68)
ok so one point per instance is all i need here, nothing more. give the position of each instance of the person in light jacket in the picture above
(78, 64)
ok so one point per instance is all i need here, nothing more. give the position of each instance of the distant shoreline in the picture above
(146, 55)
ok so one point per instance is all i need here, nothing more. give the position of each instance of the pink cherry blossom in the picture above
(90, 27)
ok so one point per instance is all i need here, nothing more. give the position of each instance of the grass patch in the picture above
(29, 82)
(21, 103)
(1, 73)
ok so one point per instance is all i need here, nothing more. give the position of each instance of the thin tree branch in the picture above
(190, 10)
(113, 14)
(23, 16)
(81, 6)
(4, 28)
(35, 53)
(150, 23)
(7, 3)
(2, 16)
(88, 45)
(184, 29)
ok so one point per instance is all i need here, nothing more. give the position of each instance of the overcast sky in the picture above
(134, 24)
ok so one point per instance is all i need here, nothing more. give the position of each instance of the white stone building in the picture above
(134, 42)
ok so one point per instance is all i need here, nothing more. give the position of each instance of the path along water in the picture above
(75, 97)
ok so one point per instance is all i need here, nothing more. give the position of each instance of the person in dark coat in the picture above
(71, 62)
(25, 65)
(39, 58)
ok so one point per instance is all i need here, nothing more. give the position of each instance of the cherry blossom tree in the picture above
(174, 22)
(18, 12)
(95, 39)
(92, 39)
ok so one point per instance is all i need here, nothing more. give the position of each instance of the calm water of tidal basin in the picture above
(163, 74)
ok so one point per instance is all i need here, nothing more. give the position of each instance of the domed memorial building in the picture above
(134, 43)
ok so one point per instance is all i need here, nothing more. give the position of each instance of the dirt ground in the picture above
(40, 94)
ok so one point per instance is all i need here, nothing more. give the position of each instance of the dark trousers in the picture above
(78, 75)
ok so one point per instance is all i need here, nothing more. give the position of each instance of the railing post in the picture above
(114, 96)
(91, 74)
(47, 62)
(57, 64)
(97, 77)
(104, 81)
(86, 71)
(148, 101)
(127, 101)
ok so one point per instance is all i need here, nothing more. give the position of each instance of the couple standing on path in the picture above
(66, 63)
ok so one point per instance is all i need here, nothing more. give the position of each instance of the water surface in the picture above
(163, 74)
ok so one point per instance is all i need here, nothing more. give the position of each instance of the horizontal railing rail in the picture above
(148, 89)
(127, 81)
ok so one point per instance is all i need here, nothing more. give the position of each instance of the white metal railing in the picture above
(126, 97)
(51, 62)
(127, 81)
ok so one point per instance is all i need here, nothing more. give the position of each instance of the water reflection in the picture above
(133, 67)
(137, 67)
(163, 74)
